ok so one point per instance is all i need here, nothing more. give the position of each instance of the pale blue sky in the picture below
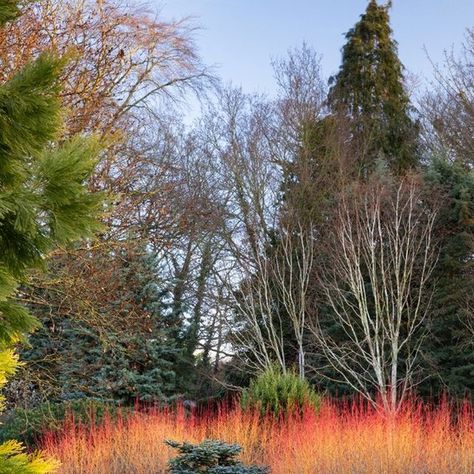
(241, 36)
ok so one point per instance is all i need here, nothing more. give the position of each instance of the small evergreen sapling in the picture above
(210, 457)
(279, 394)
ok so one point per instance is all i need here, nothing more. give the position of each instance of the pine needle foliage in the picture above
(279, 393)
(43, 202)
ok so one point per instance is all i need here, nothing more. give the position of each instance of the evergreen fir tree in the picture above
(118, 349)
(141, 364)
(43, 202)
(449, 351)
(369, 90)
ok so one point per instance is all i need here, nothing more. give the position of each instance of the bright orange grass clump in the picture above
(352, 438)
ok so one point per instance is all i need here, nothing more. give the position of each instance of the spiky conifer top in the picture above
(369, 88)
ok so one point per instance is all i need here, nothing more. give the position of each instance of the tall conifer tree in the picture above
(369, 90)
(43, 202)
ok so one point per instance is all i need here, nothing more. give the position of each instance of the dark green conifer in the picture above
(369, 90)
(449, 351)
(117, 349)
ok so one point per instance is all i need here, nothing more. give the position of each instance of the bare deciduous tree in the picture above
(274, 289)
(381, 254)
(449, 106)
(252, 141)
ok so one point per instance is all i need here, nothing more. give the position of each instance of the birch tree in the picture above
(380, 257)
(276, 289)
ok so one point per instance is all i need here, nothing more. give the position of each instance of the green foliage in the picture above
(62, 172)
(113, 366)
(116, 348)
(448, 352)
(8, 11)
(211, 457)
(14, 461)
(278, 393)
(140, 368)
(141, 362)
(27, 425)
(43, 202)
(369, 90)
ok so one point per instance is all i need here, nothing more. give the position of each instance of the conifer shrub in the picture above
(211, 457)
(279, 393)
